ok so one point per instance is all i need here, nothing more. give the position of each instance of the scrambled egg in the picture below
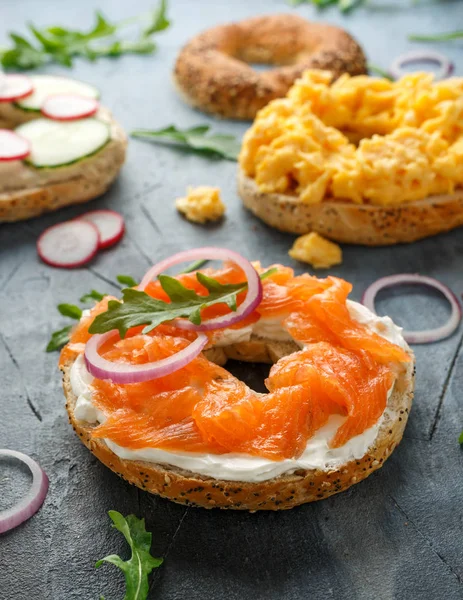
(316, 250)
(361, 139)
(201, 204)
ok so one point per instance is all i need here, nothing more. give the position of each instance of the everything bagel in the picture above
(338, 399)
(213, 71)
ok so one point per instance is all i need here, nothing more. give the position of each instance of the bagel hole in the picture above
(252, 374)
(15, 481)
(413, 306)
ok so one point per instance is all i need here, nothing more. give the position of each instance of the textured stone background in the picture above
(398, 535)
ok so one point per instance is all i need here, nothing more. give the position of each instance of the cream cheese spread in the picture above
(243, 467)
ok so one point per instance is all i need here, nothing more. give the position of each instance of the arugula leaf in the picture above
(126, 280)
(141, 563)
(460, 439)
(194, 266)
(439, 37)
(70, 310)
(62, 45)
(379, 71)
(159, 20)
(59, 339)
(138, 308)
(92, 295)
(194, 139)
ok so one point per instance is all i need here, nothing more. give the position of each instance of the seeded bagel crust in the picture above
(351, 223)
(212, 71)
(47, 189)
(279, 493)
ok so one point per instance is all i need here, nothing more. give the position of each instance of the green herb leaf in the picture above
(59, 44)
(92, 295)
(126, 280)
(141, 563)
(460, 439)
(159, 20)
(379, 71)
(439, 37)
(195, 139)
(138, 308)
(59, 339)
(70, 310)
(194, 266)
(343, 5)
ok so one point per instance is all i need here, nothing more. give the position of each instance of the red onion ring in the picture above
(425, 336)
(421, 56)
(124, 373)
(32, 501)
(253, 296)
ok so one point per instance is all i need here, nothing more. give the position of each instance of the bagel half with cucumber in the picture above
(58, 146)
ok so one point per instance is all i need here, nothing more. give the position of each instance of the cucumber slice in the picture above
(48, 85)
(58, 143)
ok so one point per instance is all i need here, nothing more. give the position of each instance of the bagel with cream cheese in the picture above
(359, 160)
(213, 71)
(40, 183)
(258, 479)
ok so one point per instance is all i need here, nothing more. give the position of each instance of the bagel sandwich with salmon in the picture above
(146, 391)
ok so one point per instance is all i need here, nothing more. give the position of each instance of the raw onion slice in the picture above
(428, 335)
(124, 373)
(254, 291)
(32, 501)
(14, 87)
(109, 223)
(69, 244)
(69, 107)
(13, 146)
(421, 56)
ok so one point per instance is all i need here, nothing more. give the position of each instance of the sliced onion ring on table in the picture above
(416, 57)
(14, 87)
(254, 291)
(32, 501)
(125, 373)
(428, 335)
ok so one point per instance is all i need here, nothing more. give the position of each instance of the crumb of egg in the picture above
(314, 249)
(201, 204)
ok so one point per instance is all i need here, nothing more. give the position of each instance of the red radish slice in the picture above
(109, 223)
(15, 87)
(70, 244)
(69, 107)
(13, 146)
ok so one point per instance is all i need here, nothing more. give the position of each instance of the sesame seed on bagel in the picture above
(214, 72)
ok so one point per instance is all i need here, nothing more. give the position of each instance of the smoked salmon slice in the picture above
(344, 368)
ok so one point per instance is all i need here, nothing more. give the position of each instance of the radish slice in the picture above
(253, 296)
(124, 373)
(109, 223)
(418, 57)
(13, 146)
(70, 244)
(32, 501)
(428, 335)
(69, 107)
(15, 87)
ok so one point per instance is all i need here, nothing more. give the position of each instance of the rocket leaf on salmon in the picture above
(138, 308)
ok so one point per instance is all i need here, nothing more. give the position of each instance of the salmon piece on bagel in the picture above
(337, 400)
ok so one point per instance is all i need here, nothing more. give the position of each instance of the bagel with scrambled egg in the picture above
(213, 71)
(52, 176)
(359, 160)
(304, 447)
